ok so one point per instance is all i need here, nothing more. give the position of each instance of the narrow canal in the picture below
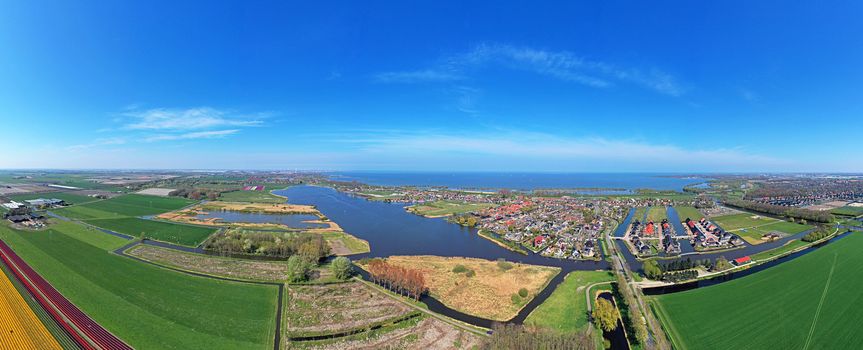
(617, 337)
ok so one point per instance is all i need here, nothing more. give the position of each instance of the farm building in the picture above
(45, 203)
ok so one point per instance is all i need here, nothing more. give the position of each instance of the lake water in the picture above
(522, 181)
(290, 220)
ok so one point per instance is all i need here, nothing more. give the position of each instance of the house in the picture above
(538, 241)
(743, 260)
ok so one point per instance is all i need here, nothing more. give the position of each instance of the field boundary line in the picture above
(821, 302)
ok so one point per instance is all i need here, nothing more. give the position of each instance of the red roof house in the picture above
(743, 260)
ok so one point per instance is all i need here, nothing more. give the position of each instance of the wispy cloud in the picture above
(213, 134)
(425, 75)
(186, 119)
(97, 143)
(749, 95)
(550, 152)
(562, 65)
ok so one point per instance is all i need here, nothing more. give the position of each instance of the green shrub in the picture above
(459, 269)
(523, 292)
(342, 268)
(504, 265)
(516, 299)
(470, 273)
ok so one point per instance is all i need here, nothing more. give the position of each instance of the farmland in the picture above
(809, 302)
(140, 303)
(381, 321)
(187, 235)
(21, 328)
(255, 270)
(446, 208)
(692, 213)
(124, 206)
(491, 291)
(565, 310)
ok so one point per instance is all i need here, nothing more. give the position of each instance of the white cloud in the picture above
(425, 75)
(540, 151)
(213, 134)
(563, 65)
(186, 119)
(97, 143)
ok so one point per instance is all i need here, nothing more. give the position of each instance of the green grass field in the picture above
(188, 235)
(640, 214)
(565, 310)
(70, 198)
(751, 227)
(251, 196)
(848, 211)
(147, 306)
(688, 212)
(124, 206)
(791, 245)
(742, 220)
(352, 243)
(811, 302)
(657, 214)
(447, 208)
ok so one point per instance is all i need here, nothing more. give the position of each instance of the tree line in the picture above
(311, 247)
(818, 234)
(791, 212)
(402, 280)
(468, 220)
(197, 194)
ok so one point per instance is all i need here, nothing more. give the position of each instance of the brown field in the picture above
(488, 294)
(332, 308)
(428, 334)
(213, 265)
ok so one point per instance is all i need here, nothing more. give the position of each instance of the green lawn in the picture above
(811, 302)
(188, 235)
(791, 245)
(753, 234)
(688, 212)
(848, 211)
(566, 309)
(640, 213)
(656, 214)
(123, 206)
(147, 306)
(251, 196)
(743, 220)
(70, 198)
(352, 243)
(447, 208)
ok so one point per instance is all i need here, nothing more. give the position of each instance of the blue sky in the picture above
(679, 86)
